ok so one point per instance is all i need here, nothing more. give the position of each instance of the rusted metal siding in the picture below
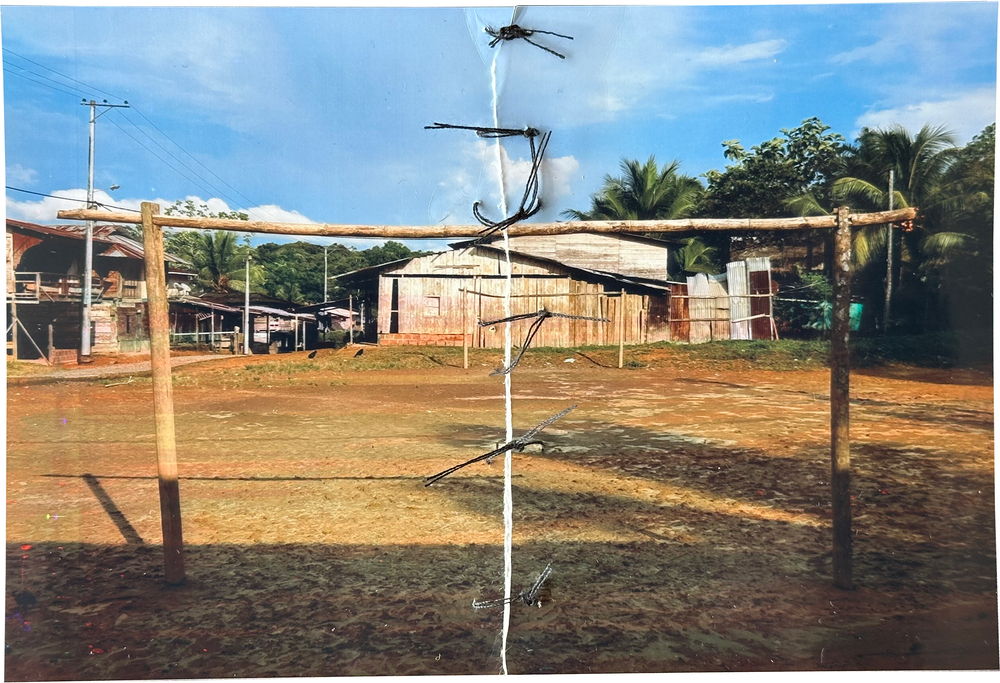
(735, 305)
(759, 276)
(680, 313)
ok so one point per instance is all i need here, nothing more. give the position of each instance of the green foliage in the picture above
(800, 309)
(693, 257)
(221, 262)
(219, 257)
(804, 160)
(188, 208)
(644, 191)
(945, 261)
(295, 271)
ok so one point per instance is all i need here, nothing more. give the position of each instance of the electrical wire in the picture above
(59, 73)
(47, 85)
(69, 199)
(90, 88)
(164, 161)
(207, 184)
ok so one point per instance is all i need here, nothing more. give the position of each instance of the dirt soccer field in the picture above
(684, 511)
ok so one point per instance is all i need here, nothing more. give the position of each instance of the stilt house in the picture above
(45, 285)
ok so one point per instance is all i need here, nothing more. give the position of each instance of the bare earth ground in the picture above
(684, 511)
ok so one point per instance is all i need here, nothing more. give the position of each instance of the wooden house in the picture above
(45, 288)
(277, 325)
(201, 324)
(440, 299)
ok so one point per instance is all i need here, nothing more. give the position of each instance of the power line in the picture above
(27, 78)
(86, 93)
(208, 185)
(165, 162)
(68, 199)
(214, 189)
(59, 73)
(194, 158)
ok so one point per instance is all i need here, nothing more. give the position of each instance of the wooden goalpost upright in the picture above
(840, 222)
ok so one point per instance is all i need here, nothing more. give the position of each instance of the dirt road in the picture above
(685, 514)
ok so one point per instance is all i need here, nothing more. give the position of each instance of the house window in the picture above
(432, 306)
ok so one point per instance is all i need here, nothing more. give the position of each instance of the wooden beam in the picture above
(840, 379)
(465, 330)
(163, 397)
(621, 329)
(520, 229)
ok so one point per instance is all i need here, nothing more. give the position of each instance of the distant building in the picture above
(440, 298)
(45, 288)
(277, 325)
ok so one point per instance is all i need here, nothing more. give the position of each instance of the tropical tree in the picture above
(803, 161)
(952, 188)
(220, 262)
(693, 256)
(918, 163)
(219, 257)
(295, 271)
(643, 191)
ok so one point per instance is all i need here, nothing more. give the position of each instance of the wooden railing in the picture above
(31, 287)
(36, 287)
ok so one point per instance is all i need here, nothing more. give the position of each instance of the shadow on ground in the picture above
(102, 612)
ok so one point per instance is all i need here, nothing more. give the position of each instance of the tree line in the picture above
(944, 259)
(293, 271)
(943, 262)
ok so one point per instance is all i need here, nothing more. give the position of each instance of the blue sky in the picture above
(318, 114)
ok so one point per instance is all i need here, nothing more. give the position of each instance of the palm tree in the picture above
(642, 192)
(919, 163)
(693, 257)
(221, 262)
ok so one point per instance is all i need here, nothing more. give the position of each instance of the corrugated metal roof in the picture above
(279, 313)
(201, 303)
(659, 285)
(103, 234)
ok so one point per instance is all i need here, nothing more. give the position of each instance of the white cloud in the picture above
(46, 209)
(275, 214)
(20, 175)
(631, 59)
(965, 114)
(477, 178)
(732, 55)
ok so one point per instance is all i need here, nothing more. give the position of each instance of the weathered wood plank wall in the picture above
(610, 253)
(433, 306)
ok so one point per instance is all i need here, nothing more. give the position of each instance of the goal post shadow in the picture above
(841, 223)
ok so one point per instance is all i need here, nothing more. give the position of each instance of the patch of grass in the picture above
(20, 368)
(932, 350)
(776, 355)
(952, 349)
(943, 350)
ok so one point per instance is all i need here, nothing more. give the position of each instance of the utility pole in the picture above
(350, 307)
(246, 310)
(888, 258)
(88, 253)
